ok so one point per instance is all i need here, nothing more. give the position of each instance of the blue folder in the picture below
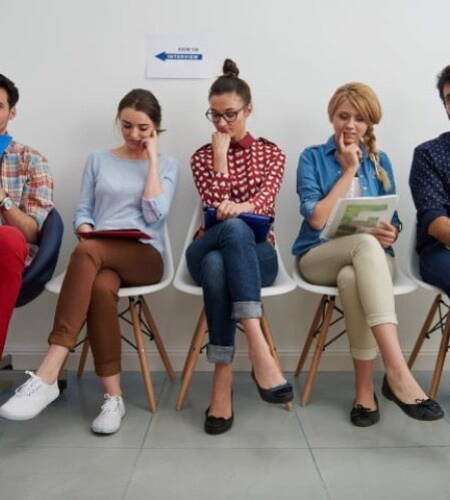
(260, 224)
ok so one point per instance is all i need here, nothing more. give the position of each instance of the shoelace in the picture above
(30, 386)
(111, 403)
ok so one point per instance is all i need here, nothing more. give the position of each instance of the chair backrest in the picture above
(183, 280)
(41, 269)
(413, 264)
(413, 257)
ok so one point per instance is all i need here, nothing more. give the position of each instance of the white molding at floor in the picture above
(331, 361)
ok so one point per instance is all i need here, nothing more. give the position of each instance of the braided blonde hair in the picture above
(365, 101)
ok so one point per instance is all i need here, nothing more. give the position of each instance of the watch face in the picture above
(7, 204)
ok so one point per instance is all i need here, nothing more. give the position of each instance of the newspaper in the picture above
(357, 215)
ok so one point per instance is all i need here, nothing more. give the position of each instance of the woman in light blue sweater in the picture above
(130, 187)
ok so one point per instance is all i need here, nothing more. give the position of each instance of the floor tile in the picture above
(326, 421)
(66, 422)
(55, 474)
(226, 475)
(256, 424)
(386, 473)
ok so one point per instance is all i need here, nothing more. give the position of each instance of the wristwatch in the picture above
(6, 203)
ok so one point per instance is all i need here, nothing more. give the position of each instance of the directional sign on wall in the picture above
(179, 56)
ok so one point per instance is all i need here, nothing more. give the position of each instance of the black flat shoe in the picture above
(423, 409)
(365, 417)
(217, 425)
(277, 395)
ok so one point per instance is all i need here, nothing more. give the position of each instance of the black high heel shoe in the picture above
(423, 409)
(365, 417)
(218, 425)
(279, 394)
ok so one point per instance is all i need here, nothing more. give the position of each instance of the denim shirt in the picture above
(317, 173)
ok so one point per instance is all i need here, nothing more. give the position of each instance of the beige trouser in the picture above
(362, 271)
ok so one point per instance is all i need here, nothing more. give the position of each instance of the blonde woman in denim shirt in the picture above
(349, 164)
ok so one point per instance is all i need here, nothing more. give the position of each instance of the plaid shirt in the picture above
(25, 176)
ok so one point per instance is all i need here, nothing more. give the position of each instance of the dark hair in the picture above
(442, 79)
(11, 90)
(230, 82)
(142, 100)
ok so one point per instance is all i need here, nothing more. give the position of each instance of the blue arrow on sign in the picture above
(181, 57)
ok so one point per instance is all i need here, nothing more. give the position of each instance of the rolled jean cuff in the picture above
(220, 353)
(364, 354)
(381, 319)
(246, 310)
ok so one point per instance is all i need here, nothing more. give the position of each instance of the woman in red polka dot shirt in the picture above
(235, 174)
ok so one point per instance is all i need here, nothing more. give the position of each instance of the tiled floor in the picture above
(270, 453)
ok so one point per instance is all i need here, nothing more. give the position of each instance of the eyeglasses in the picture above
(229, 116)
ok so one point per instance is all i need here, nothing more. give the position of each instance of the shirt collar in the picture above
(331, 147)
(245, 142)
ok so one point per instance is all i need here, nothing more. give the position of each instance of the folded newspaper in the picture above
(357, 215)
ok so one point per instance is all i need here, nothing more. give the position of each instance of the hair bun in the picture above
(230, 68)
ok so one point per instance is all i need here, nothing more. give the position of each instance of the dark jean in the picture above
(435, 266)
(231, 268)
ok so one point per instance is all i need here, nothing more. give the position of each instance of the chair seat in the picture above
(283, 283)
(54, 285)
(402, 284)
(184, 283)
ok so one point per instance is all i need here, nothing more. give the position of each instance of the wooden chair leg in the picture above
(193, 341)
(424, 331)
(311, 334)
(143, 360)
(440, 361)
(267, 332)
(192, 358)
(83, 357)
(318, 352)
(157, 338)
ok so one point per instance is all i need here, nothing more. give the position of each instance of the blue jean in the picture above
(435, 266)
(231, 268)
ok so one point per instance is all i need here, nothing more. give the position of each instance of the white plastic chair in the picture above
(323, 319)
(184, 282)
(141, 320)
(430, 325)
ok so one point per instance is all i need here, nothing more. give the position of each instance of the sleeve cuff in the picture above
(307, 208)
(428, 217)
(82, 220)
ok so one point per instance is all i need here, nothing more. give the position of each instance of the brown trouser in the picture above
(97, 269)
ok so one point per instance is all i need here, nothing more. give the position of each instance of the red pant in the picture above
(13, 252)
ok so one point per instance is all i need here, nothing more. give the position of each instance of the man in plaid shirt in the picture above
(26, 193)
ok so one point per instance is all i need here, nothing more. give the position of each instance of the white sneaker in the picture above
(110, 417)
(29, 399)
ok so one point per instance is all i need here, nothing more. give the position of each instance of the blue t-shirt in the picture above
(111, 195)
(317, 173)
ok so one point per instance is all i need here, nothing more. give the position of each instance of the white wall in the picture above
(73, 61)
